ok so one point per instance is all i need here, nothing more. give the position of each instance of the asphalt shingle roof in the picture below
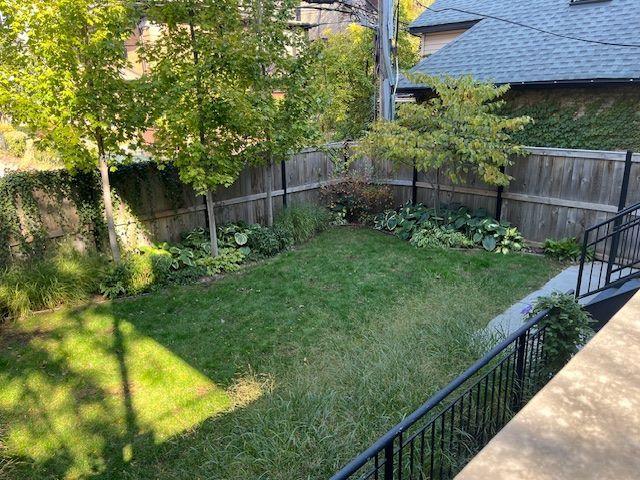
(497, 51)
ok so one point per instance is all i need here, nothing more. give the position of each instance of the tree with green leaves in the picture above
(285, 101)
(60, 77)
(201, 110)
(346, 76)
(457, 131)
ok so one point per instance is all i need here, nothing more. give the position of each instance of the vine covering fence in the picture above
(555, 193)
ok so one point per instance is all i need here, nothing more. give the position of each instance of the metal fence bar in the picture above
(446, 430)
(617, 251)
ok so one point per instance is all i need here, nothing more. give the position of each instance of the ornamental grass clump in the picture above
(303, 222)
(65, 277)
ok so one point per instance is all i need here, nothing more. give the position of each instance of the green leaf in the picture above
(241, 238)
(459, 223)
(489, 243)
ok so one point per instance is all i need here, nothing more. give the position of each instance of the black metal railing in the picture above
(440, 437)
(610, 253)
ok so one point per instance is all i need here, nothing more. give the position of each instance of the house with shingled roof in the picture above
(583, 55)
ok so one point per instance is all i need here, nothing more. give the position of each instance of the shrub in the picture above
(138, 273)
(566, 249)
(16, 142)
(478, 226)
(434, 236)
(264, 241)
(357, 199)
(567, 328)
(66, 276)
(298, 224)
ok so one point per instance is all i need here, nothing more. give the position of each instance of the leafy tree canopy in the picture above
(202, 66)
(60, 75)
(347, 78)
(457, 131)
(284, 100)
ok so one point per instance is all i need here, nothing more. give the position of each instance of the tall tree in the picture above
(457, 131)
(60, 76)
(202, 67)
(284, 99)
(347, 76)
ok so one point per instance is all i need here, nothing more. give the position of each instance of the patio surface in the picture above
(584, 424)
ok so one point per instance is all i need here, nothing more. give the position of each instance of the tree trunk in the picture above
(269, 187)
(213, 235)
(108, 207)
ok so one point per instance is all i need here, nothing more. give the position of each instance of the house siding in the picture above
(430, 43)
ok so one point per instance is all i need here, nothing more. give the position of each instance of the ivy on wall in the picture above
(595, 119)
(20, 211)
(21, 218)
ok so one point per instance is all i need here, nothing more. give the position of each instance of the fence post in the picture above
(283, 172)
(615, 240)
(414, 187)
(388, 461)
(499, 198)
(518, 387)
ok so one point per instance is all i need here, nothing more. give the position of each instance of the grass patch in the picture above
(285, 370)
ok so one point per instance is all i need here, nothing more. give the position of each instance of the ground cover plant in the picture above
(565, 250)
(284, 370)
(454, 226)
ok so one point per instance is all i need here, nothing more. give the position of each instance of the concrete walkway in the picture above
(584, 424)
(508, 321)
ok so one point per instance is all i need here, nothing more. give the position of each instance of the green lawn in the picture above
(285, 370)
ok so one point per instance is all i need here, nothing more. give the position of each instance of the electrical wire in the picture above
(531, 27)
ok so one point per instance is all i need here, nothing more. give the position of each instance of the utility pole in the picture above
(386, 71)
(385, 53)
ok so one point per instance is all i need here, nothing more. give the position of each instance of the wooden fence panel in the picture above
(554, 193)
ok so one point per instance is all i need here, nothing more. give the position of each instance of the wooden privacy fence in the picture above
(555, 193)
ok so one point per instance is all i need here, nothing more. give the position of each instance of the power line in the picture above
(531, 27)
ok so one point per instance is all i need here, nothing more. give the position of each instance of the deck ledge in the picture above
(584, 424)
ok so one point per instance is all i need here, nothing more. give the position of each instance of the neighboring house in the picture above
(322, 18)
(538, 47)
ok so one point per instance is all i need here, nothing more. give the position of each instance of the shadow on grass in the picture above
(86, 398)
(143, 388)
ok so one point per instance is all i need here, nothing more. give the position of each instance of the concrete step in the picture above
(606, 304)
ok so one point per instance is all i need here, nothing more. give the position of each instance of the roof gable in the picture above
(503, 52)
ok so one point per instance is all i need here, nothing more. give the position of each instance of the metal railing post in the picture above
(518, 387)
(583, 258)
(388, 461)
(615, 240)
